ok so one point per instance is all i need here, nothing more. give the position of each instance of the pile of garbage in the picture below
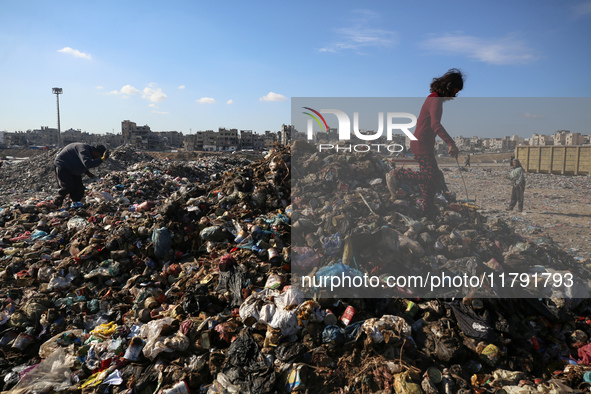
(346, 223)
(35, 176)
(177, 277)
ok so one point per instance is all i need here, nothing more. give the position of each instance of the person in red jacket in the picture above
(443, 88)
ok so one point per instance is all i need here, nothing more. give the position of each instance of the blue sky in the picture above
(197, 65)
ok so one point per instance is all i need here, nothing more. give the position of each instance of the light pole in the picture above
(57, 92)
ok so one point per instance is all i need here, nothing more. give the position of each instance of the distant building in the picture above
(269, 139)
(559, 137)
(110, 140)
(246, 139)
(227, 139)
(575, 139)
(286, 134)
(70, 136)
(46, 136)
(137, 136)
(504, 144)
(463, 143)
(170, 139)
(258, 142)
(142, 137)
(541, 140)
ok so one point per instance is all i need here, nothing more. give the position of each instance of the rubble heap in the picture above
(176, 277)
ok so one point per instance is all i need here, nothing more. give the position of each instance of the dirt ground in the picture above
(555, 205)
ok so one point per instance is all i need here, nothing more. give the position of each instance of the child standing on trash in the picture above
(428, 127)
(517, 177)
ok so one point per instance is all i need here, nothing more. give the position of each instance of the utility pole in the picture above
(57, 92)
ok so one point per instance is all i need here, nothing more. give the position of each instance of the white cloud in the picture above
(582, 9)
(125, 91)
(273, 97)
(153, 106)
(154, 95)
(181, 87)
(499, 51)
(230, 101)
(129, 90)
(99, 87)
(361, 34)
(160, 112)
(357, 38)
(75, 53)
(206, 100)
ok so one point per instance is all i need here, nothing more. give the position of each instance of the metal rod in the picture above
(463, 181)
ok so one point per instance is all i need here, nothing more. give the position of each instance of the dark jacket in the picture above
(77, 158)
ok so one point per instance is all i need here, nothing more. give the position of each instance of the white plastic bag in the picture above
(50, 375)
(50, 346)
(291, 296)
(154, 342)
(77, 223)
(286, 321)
(267, 312)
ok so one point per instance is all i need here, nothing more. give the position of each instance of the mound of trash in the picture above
(35, 176)
(177, 277)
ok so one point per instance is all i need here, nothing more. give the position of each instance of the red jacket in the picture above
(428, 126)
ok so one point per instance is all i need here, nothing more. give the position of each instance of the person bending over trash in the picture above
(71, 163)
(428, 127)
(517, 177)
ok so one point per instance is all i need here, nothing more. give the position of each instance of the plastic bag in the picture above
(58, 283)
(77, 223)
(154, 342)
(251, 306)
(222, 385)
(267, 312)
(51, 345)
(333, 334)
(213, 233)
(286, 321)
(50, 375)
(248, 309)
(105, 330)
(44, 274)
(162, 242)
(291, 296)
